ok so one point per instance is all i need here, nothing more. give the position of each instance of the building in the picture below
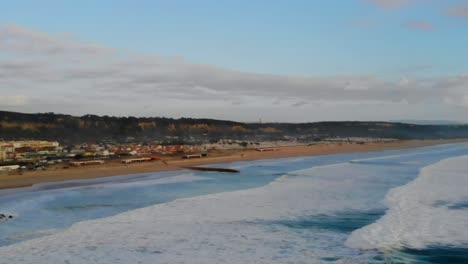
(195, 156)
(9, 168)
(10, 150)
(7, 151)
(86, 163)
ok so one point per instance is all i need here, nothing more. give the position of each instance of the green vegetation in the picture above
(71, 129)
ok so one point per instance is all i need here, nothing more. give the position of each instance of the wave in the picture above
(429, 211)
(398, 159)
(294, 219)
(210, 227)
(27, 202)
(35, 234)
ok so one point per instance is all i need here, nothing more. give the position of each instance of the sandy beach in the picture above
(114, 167)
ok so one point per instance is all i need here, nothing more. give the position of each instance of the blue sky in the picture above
(387, 39)
(284, 37)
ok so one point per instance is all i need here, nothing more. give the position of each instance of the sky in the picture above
(243, 60)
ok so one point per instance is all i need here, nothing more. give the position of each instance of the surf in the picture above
(428, 212)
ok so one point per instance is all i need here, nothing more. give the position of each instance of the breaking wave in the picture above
(428, 212)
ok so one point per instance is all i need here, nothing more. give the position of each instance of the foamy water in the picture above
(313, 210)
(430, 211)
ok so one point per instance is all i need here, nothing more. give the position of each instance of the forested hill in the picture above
(92, 128)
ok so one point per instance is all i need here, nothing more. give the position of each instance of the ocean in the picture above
(400, 206)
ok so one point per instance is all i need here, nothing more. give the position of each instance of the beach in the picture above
(115, 167)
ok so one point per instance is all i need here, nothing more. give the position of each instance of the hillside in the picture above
(74, 129)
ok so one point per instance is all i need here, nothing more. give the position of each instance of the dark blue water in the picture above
(436, 254)
(343, 222)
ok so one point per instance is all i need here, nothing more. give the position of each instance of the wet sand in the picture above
(114, 167)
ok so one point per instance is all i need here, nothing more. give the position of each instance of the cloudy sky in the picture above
(245, 60)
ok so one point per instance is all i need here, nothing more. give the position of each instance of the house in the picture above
(9, 168)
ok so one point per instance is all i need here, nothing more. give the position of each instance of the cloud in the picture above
(62, 75)
(299, 104)
(460, 11)
(16, 100)
(12, 38)
(419, 25)
(389, 4)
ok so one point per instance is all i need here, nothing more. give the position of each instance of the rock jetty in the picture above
(5, 216)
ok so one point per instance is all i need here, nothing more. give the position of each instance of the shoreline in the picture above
(115, 168)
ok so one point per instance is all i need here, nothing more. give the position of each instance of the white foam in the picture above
(186, 177)
(217, 228)
(418, 151)
(35, 234)
(421, 213)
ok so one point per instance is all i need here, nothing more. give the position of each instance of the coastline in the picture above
(29, 178)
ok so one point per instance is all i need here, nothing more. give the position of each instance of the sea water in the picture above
(405, 206)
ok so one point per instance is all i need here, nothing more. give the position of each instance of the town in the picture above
(29, 155)
(39, 155)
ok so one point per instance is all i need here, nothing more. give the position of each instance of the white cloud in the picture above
(419, 25)
(15, 100)
(63, 75)
(460, 11)
(19, 39)
(390, 4)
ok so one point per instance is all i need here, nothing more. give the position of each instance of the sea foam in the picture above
(429, 211)
(215, 228)
(244, 226)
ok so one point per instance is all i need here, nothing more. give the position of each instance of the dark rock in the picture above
(5, 216)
